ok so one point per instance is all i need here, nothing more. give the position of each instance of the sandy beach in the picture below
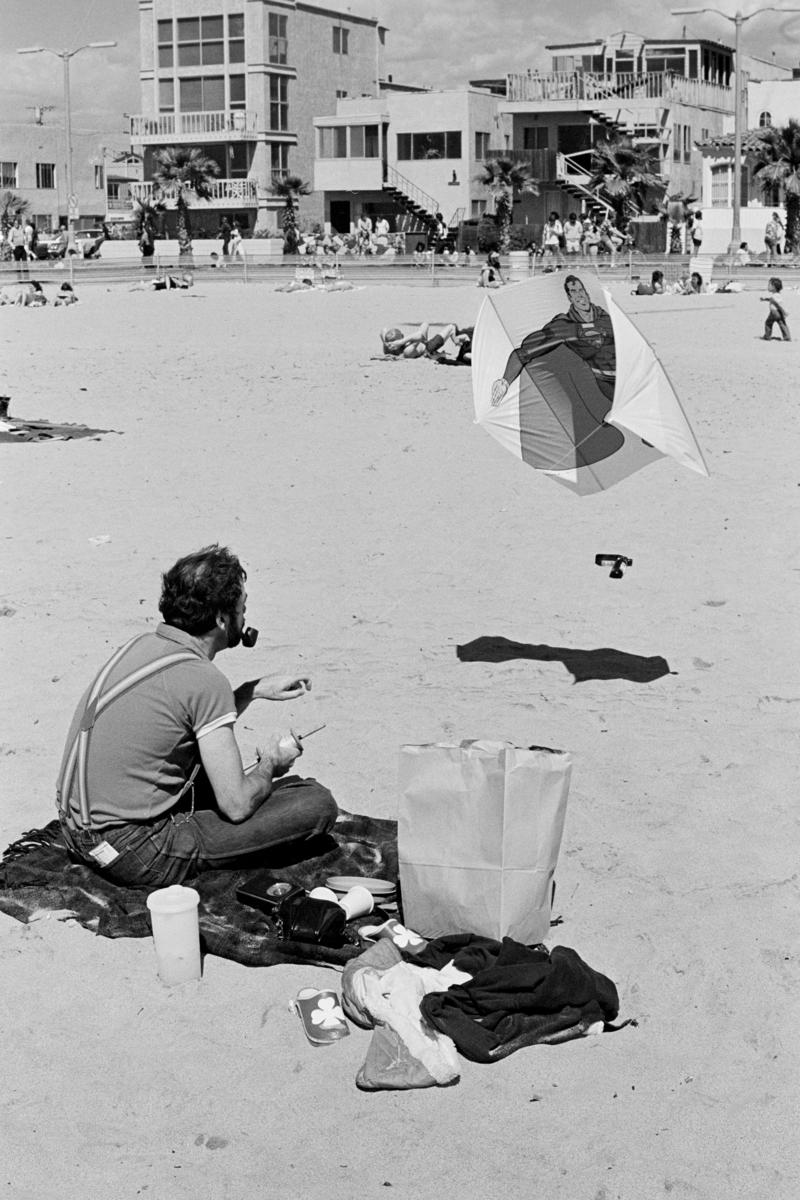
(381, 528)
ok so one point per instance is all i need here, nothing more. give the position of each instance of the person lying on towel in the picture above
(420, 341)
(151, 788)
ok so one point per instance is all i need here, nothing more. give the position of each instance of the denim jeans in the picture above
(174, 847)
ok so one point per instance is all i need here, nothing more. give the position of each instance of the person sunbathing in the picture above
(427, 341)
(164, 283)
(405, 341)
(25, 295)
(65, 295)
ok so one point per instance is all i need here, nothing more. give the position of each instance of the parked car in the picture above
(51, 245)
(89, 241)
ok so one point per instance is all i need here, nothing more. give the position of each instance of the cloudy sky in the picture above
(440, 42)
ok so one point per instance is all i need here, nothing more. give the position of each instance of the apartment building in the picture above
(667, 95)
(407, 155)
(33, 166)
(242, 80)
(772, 98)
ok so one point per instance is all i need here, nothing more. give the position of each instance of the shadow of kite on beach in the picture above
(582, 664)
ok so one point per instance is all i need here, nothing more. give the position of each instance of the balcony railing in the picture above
(230, 123)
(224, 192)
(592, 87)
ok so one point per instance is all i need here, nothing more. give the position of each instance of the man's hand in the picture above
(499, 389)
(281, 687)
(281, 751)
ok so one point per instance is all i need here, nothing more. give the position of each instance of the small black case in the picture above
(267, 893)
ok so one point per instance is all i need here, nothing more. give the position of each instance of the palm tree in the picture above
(147, 215)
(624, 175)
(506, 178)
(675, 209)
(11, 206)
(777, 158)
(290, 188)
(184, 171)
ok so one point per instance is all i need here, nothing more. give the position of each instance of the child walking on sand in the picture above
(777, 313)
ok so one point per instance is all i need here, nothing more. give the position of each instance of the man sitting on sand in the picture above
(151, 788)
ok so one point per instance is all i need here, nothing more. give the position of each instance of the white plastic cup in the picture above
(176, 933)
(358, 902)
(323, 893)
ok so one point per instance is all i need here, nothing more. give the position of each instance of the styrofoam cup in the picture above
(176, 933)
(323, 893)
(357, 902)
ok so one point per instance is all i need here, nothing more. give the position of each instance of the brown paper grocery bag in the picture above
(478, 835)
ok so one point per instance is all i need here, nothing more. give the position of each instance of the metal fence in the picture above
(400, 270)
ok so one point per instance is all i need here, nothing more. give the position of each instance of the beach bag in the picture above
(478, 835)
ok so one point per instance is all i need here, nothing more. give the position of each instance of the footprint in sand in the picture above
(210, 1143)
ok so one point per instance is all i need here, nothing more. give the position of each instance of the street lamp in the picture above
(738, 19)
(65, 56)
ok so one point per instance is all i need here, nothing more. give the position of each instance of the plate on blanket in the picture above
(381, 889)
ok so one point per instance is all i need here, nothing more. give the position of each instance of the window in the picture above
(481, 146)
(720, 176)
(278, 46)
(764, 120)
(45, 175)
(278, 102)
(357, 141)
(279, 161)
(238, 161)
(166, 95)
(687, 143)
(189, 42)
(340, 39)
(371, 144)
(363, 141)
(237, 91)
(203, 94)
(236, 38)
(535, 138)
(333, 141)
(8, 175)
(165, 47)
(98, 175)
(429, 145)
(676, 143)
(201, 41)
(340, 94)
(478, 208)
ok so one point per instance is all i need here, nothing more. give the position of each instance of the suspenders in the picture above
(96, 702)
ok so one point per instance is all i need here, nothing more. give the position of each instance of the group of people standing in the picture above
(579, 237)
(21, 240)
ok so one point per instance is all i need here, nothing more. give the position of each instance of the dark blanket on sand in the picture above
(37, 875)
(45, 431)
(605, 663)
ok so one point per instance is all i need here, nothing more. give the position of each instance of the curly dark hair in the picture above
(199, 587)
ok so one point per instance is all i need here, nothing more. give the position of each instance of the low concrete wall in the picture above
(717, 223)
(202, 249)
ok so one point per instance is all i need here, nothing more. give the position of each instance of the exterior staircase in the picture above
(418, 209)
(573, 178)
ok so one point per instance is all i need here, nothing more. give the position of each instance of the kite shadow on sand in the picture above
(604, 663)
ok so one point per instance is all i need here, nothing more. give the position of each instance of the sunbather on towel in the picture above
(425, 340)
(29, 294)
(164, 283)
(151, 788)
